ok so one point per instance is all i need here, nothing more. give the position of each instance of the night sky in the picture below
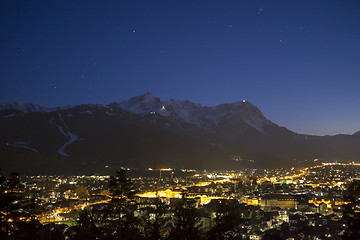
(298, 61)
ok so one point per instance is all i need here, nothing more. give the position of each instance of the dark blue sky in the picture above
(298, 61)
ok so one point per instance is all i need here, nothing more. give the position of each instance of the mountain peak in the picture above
(145, 97)
(357, 133)
(24, 107)
(148, 94)
(202, 116)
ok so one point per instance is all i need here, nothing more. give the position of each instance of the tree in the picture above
(228, 221)
(186, 221)
(63, 188)
(121, 193)
(154, 221)
(351, 215)
(82, 192)
(354, 188)
(285, 229)
(31, 209)
(272, 234)
(17, 213)
(10, 196)
(121, 220)
(87, 228)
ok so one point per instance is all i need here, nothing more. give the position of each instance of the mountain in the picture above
(208, 118)
(145, 131)
(24, 107)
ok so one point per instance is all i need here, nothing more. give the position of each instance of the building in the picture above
(282, 201)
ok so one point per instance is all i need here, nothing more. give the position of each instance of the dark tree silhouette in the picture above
(351, 214)
(121, 193)
(87, 225)
(186, 222)
(272, 234)
(10, 196)
(154, 221)
(31, 209)
(228, 221)
(17, 213)
(121, 222)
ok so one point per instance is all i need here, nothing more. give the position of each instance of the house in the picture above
(282, 201)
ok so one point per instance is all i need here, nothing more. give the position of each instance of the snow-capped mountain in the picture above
(24, 107)
(145, 131)
(204, 117)
(194, 113)
(29, 107)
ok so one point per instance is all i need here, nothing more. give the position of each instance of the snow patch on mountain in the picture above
(62, 120)
(72, 139)
(215, 117)
(87, 112)
(10, 115)
(62, 130)
(24, 145)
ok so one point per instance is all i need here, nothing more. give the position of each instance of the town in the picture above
(309, 203)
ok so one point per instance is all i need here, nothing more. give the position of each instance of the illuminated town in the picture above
(179, 120)
(292, 200)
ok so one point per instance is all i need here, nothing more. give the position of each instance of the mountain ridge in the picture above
(145, 131)
(26, 108)
(182, 109)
